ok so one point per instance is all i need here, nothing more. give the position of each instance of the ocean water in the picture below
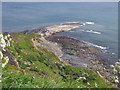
(103, 33)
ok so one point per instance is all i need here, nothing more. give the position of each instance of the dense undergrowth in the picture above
(42, 69)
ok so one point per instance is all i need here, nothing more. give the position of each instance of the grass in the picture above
(42, 69)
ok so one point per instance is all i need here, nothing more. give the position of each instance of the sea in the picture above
(100, 21)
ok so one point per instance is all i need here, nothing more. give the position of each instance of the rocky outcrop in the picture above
(47, 31)
(81, 55)
(12, 60)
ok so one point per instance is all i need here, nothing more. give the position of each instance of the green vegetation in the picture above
(39, 68)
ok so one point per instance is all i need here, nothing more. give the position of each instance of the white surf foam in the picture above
(98, 46)
(91, 31)
(89, 22)
(72, 22)
(101, 47)
(113, 53)
(82, 30)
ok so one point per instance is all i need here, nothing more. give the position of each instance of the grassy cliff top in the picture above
(29, 67)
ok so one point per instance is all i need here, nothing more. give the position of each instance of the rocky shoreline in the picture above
(50, 30)
(81, 55)
(74, 51)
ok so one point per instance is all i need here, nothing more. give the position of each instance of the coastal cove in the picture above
(73, 51)
(69, 51)
(59, 45)
(81, 31)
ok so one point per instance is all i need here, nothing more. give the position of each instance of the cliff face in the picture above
(33, 65)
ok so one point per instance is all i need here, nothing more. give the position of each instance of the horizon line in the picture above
(59, 0)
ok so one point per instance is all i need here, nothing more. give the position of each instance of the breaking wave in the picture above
(79, 23)
(98, 46)
(89, 22)
(91, 31)
(101, 47)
